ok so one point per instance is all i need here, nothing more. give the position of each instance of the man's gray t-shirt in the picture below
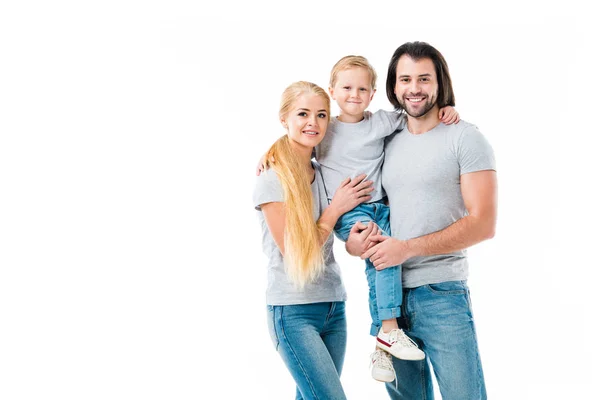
(280, 289)
(351, 149)
(421, 176)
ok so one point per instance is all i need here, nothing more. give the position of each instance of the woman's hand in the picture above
(351, 193)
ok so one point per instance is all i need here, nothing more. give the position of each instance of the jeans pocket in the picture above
(271, 311)
(448, 288)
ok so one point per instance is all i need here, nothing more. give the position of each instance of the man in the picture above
(441, 185)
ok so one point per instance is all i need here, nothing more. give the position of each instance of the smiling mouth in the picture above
(310, 133)
(415, 99)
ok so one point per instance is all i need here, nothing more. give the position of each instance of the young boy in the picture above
(354, 144)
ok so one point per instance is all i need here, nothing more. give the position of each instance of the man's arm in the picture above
(479, 192)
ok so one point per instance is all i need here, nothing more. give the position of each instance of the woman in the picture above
(305, 293)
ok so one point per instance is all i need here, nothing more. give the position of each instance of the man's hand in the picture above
(387, 252)
(358, 240)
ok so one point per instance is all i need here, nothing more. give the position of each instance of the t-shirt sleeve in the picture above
(474, 152)
(389, 122)
(267, 189)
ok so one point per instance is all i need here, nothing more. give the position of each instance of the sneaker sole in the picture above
(387, 348)
(383, 377)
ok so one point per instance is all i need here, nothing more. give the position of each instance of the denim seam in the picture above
(292, 352)
(479, 366)
(275, 310)
(445, 292)
(423, 380)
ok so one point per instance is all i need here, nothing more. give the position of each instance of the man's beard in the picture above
(426, 108)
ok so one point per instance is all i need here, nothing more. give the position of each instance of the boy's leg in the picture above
(388, 282)
(364, 213)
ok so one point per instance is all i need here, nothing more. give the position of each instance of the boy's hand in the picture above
(262, 164)
(449, 115)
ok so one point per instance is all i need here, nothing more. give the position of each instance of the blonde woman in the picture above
(305, 293)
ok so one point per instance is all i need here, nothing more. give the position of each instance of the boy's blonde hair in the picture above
(352, 62)
(302, 238)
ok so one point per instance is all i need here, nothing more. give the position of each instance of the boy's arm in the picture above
(448, 115)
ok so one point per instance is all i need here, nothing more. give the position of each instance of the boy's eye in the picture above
(363, 89)
(346, 87)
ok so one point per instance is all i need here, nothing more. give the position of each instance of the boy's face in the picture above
(353, 91)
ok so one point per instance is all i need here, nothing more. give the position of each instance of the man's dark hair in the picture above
(418, 51)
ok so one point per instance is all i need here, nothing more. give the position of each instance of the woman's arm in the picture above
(274, 214)
(349, 194)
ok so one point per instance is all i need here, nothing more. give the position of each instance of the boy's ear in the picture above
(372, 94)
(331, 92)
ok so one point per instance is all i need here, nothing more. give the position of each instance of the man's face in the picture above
(416, 86)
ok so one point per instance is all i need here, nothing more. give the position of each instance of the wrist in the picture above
(411, 248)
(335, 211)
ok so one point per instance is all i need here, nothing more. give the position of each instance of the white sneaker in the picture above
(399, 345)
(382, 369)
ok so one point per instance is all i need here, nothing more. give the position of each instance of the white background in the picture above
(130, 258)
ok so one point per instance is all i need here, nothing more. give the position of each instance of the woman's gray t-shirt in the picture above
(280, 289)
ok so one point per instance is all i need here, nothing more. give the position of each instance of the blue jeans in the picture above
(385, 287)
(438, 318)
(311, 340)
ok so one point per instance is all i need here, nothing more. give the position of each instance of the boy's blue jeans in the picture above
(385, 287)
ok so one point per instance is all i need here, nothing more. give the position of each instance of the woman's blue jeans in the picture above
(311, 340)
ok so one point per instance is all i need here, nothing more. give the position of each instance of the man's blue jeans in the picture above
(385, 287)
(311, 340)
(438, 318)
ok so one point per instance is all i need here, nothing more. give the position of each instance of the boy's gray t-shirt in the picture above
(351, 149)
(421, 176)
(280, 289)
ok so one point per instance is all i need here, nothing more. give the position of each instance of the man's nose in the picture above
(415, 86)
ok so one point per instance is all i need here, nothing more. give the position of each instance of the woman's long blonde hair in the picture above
(302, 238)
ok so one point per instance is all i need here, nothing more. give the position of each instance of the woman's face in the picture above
(307, 120)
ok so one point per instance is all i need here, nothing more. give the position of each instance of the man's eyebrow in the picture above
(402, 76)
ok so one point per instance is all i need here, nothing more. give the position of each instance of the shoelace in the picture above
(380, 355)
(398, 335)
